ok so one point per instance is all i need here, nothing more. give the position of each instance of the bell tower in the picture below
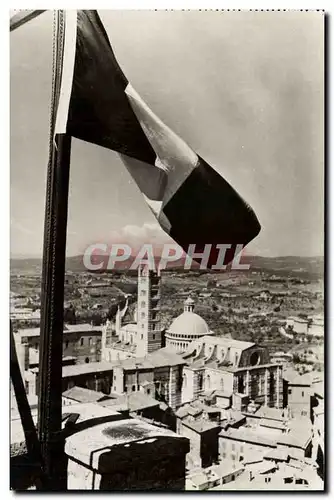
(148, 311)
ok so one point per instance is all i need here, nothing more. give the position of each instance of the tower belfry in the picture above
(148, 311)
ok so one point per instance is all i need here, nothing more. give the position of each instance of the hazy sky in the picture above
(245, 90)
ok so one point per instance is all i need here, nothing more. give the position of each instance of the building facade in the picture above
(233, 367)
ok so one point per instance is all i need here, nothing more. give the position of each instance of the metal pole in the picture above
(52, 291)
(29, 429)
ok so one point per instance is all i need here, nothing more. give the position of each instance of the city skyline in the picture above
(250, 102)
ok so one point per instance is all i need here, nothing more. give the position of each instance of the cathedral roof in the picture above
(227, 342)
(189, 323)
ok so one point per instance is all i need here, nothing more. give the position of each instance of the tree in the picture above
(70, 315)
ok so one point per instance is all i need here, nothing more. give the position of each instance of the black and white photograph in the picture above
(167, 241)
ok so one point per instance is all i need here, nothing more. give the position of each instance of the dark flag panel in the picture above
(99, 110)
(192, 202)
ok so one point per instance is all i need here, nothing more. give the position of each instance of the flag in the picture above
(192, 202)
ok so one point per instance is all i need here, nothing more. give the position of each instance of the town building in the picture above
(308, 329)
(119, 453)
(298, 390)
(159, 374)
(81, 341)
(106, 450)
(96, 376)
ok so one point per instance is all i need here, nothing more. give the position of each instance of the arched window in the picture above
(208, 381)
(184, 380)
(200, 381)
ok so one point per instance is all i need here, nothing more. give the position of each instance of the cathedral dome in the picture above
(189, 323)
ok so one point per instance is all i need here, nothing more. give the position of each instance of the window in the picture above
(233, 459)
(114, 377)
(148, 391)
(86, 360)
(200, 381)
(90, 341)
(36, 346)
(233, 447)
(133, 388)
(153, 336)
(143, 293)
(290, 391)
(81, 341)
(143, 314)
(303, 394)
(66, 344)
(241, 384)
(142, 336)
(224, 455)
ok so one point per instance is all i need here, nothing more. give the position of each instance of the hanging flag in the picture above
(192, 202)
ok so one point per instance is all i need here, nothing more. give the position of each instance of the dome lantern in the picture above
(189, 305)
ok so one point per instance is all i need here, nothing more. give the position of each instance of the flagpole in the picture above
(52, 289)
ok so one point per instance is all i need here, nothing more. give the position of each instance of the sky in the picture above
(243, 89)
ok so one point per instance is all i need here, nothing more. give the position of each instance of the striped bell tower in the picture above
(148, 311)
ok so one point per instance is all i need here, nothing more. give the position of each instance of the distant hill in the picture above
(312, 267)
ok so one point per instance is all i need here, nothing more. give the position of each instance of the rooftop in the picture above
(165, 357)
(270, 413)
(294, 378)
(134, 401)
(226, 342)
(189, 323)
(83, 369)
(83, 395)
(200, 426)
(88, 444)
(129, 327)
(248, 435)
(80, 328)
